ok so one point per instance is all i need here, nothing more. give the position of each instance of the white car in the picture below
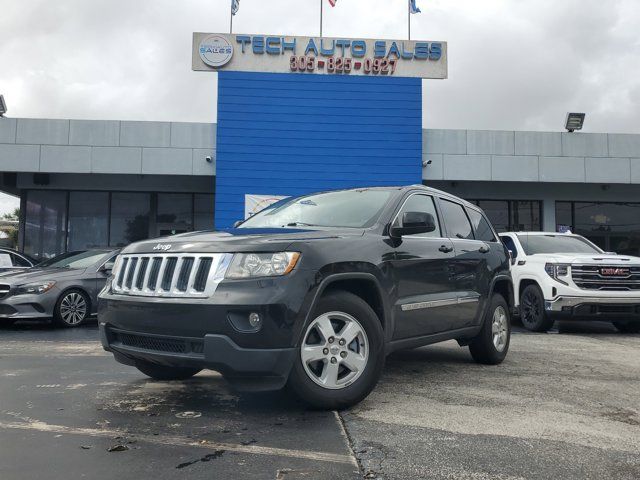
(559, 275)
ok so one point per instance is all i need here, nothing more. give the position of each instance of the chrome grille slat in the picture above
(588, 277)
(171, 275)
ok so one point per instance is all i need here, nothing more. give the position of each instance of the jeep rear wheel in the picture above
(492, 344)
(341, 353)
(627, 327)
(532, 313)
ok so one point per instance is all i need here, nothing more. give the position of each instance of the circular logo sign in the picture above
(215, 51)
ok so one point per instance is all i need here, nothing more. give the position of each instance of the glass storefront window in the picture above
(45, 223)
(175, 213)
(129, 218)
(513, 215)
(613, 226)
(203, 208)
(88, 220)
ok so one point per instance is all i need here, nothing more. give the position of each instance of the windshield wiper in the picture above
(301, 224)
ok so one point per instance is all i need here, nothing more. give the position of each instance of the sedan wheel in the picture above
(72, 309)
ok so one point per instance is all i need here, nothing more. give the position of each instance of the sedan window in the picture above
(82, 259)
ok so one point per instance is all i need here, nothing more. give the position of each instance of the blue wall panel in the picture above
(290, 134)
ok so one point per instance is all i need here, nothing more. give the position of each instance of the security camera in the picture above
(426, 163)
(209, 159)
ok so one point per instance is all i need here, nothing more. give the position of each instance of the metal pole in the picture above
(409, 17)
(231, 18)
(321, 8)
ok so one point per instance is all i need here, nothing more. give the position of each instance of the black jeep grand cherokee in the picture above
(313, 292)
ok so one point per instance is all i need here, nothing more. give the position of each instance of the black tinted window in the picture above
(423, 204)
(456, 220)
(481, 226)
(18, 261)
(511, 245)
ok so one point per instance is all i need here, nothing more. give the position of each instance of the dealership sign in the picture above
(314, 55)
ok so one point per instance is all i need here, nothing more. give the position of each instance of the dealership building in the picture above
(285, 128)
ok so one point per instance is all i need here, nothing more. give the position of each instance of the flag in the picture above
(235, 6)
(332, 2)
(413, 8)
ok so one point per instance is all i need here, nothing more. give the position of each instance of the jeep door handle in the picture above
(484, 249)
(445, 249)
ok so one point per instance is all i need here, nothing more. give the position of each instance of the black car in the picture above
(313, 291)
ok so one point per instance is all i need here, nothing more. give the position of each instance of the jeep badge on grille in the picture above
(163, 247)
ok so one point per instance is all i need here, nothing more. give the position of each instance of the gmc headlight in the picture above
(557, 270)
(249, 265)
(34, 288)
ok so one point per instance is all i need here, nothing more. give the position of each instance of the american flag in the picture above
(235, 6)
(332, 2)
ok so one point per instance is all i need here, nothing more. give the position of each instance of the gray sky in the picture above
(514, 64)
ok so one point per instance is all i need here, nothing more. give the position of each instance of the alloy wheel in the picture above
(500, 329)
(531, 309)
(335, 350)
(73, 308)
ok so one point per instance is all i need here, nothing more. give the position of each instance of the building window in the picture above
(203, 208)
(513, 215)
(175, 213)
(613, 226)
(129, 218)
(45, 223)
(88, 220)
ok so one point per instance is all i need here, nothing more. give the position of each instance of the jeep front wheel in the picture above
(341, 353)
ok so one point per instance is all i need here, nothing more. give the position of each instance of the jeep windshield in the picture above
(348, 208)
(535, 244)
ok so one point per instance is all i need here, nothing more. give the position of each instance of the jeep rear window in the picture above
(534, 244)
(349, 208)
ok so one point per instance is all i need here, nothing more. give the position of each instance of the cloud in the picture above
(513, 64)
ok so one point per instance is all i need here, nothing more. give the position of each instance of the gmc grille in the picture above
(589, 277)
(174, 275)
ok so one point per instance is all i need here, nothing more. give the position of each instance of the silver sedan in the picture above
(64, 288)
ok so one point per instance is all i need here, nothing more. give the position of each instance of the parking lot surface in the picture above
(563, 405)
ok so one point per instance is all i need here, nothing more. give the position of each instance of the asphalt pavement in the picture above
(563, 405)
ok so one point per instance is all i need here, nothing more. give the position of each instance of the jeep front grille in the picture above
(174, 275)
(588, 277)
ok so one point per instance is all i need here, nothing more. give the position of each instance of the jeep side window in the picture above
(483, 230)
(511, 245)
(420, 203)
(457, 222)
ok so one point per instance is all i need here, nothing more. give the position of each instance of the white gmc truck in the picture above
(565, 276)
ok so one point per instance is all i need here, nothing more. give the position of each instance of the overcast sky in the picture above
(513, 64)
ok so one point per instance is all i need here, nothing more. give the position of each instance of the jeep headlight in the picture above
(557, 270)
(34, 288)
(249, 265)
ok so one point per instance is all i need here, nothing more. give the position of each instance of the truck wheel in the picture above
(532, 312)
(341, 353)
(490, 347)
(627, 327)
(72, 309)
(162, 372)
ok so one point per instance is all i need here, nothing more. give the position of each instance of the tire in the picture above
(490, 347)
(329, 374)
(72, 309)
(532, 313)
(627, 327)
(162, 372)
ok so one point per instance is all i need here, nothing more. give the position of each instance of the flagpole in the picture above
(321, 8)
(231, 19)
(409, 18)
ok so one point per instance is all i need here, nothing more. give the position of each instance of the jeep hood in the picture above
(238, 240)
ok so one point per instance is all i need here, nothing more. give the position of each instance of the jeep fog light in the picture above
(254, 320)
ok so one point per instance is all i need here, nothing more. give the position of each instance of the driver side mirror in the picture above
(107, 267)
(512, 257)
(414, 223)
